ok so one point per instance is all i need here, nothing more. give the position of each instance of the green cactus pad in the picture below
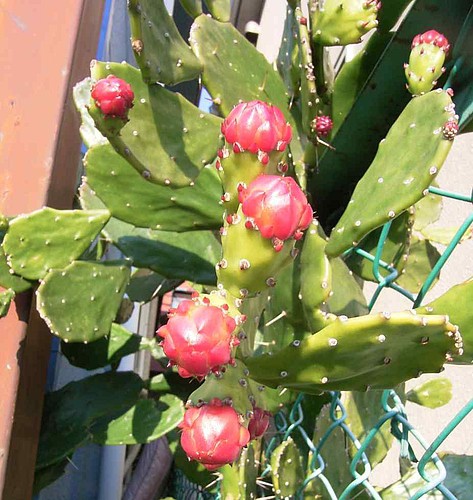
(159, 49)
(250, 264)
(398, 177)
(145, 285)
(434, 393)
(427, 211)
(69, 412)
(219, 9)
(316, 274)
(144, 422)
(108, 350)
(134, 200)
(395, 249)
(341, 22)
(288, 57)
(227, 58)
(286, 469)
(6, 297)
(248, 468)
(79, 302)
(168, 140)
(421, 258)
(88, 131)
(50, 239)
(394, 347)
(424, 68)
(192, 7)
(456, 304)
(10, 280)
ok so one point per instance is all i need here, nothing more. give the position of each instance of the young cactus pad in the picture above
(79, 302)
(168, 139)
(405, 165)
(50, 239)
(286, 469)
(378, 351)
(132, 199)
(161, 53)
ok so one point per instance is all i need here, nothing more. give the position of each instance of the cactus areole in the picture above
(198, 338)
(276, 206)
(213, 435)
(256, 126)
(113, 96)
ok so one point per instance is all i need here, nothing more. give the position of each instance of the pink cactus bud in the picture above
(256, 126)
(432, 37)
(450, 130)
(258, 423)
(322, 125)
(198, 338)
(213, 434)
(113, 96)
(277, 206)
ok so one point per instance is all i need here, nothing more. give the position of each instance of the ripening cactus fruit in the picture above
(322, 125)
(199, 337)
(113, 96)
(426, 61)
(213, 434)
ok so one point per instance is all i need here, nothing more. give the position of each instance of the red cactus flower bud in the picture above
(322, 125)
(258, 423)
(113, 96)
(432, 37)
(277, 206)
(213, 434)
(198, 338)
(256, 126)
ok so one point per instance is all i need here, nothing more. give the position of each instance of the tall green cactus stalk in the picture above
(225, 200)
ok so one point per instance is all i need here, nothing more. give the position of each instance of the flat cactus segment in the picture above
(434, 393)
(248, 466)
(342, 22)
(233, 69)
(395, 249)
(168, 139)
(389, 14)
(398, 176)
(49, 239)
(6, 297)
(145, 285)
(79, 302)
(394, 348)
(456, 303)
(88, 131)
(144, 422)
(289, 58)
(10, 280)
(69, 412)
(316, 273)
(134, 200)
(192, 7)
(108, 350)
(219, 9)
(161, 53)
(286, 469)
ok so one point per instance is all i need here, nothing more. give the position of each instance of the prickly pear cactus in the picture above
(299, 183)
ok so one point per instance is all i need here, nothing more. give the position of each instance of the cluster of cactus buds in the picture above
(322, 125)
(426, 61)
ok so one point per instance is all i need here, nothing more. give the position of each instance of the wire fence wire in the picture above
(429, 466)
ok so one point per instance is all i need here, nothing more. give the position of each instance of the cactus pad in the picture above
(50, 239)
(398, 176)
(456, 303)
(6, 297)
(69, 412)
(159, 49)
(10, 280)
(226, 56)
(79, 302)
(168, 140)
(134, 200)
(145, 284)
(108, 350)
(394, 348)
(432, 393)
(286, 469)
(144, 422)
